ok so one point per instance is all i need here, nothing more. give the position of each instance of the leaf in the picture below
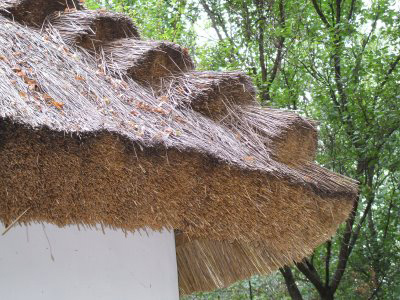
(107, 100)
(47, 97)
(21, 74)
(58, 105)
(79, 77)
(164, 98)
(179, 119)
(16, 69)
(144, 106)
(23, 94)
(29, 81)
(160, 110)
(249, 158)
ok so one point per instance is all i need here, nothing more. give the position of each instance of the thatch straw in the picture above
(205, 264)
(81, 143)
(211, 93)
(34, 13)
(15, 221)
(291, 138)
(147, 61)
(91, 29)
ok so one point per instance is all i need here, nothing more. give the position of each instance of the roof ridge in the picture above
(34, 12)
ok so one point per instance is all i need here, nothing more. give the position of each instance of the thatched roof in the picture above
(100, 127)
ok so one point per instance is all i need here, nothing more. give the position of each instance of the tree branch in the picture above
(327, 262)
(320, 13)
(388, 217)
(344, 248)
(350, 236)
(309, 271)
(291, 283)
(351, 11)
(392, 67)
(279, 51)
(211, 15)
(338, 11)
(250, 291)
(363, 46)
(360, 224)
(261, 55)
(385, 136)
(218, 22)
(278, 58)
(246, 13)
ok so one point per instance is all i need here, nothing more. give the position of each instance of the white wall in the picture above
(86, 264)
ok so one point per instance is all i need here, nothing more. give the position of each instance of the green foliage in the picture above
(343, 71)
(258, 287)
(158, 19)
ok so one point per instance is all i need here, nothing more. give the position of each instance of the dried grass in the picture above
(213, 94)
(205, 264)
(34, 12)
(291, 138)
(82, 143)
(91, 29)
(147, 61)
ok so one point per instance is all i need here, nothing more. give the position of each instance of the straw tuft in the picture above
(92, 29)
(34, 12)
(210, 93)
(147, 61)
(291, 138)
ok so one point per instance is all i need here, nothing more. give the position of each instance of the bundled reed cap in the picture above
(99, 126)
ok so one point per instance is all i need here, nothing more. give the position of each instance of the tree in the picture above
(254, 33)
(353, 74)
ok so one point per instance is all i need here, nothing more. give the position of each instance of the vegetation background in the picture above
(336, 61)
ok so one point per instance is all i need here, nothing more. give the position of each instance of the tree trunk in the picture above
(328, 295)
(291, 283)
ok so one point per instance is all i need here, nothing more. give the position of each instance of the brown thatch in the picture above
(211, 93)
(34, 13)
(83, 143)
(90, 29)
(147, 61)
(293, 139)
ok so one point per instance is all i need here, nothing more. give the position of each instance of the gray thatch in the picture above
(91, 29)
(33, 13)
(81, 142)
(146, 61)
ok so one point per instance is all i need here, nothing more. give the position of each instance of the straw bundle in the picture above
(293, 140)
(147, 61)
(33, 13)
(81, 142)
(210, 93)
(90, 29)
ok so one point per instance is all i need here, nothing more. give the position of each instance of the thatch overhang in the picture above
(82, 142)
(34, 13)
(91, 29)
(147, 62)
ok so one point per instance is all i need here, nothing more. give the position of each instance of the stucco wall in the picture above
(47, 262)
